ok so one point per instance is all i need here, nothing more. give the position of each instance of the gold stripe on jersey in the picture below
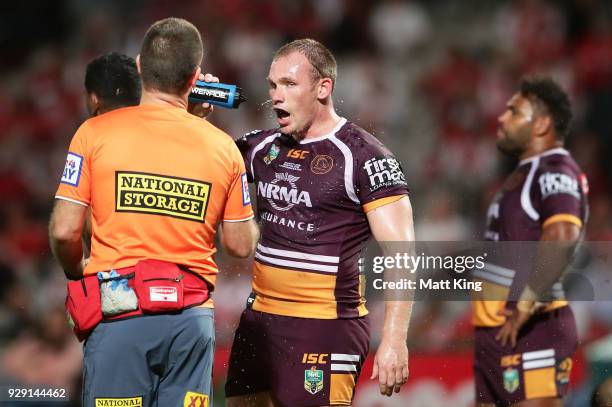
(294, 293)
(563, 217)
(370, 206)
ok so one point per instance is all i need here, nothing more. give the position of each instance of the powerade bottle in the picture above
(218, 94)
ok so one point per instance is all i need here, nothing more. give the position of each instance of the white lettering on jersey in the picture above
(383, 172)
(558, 183)
(288, 195)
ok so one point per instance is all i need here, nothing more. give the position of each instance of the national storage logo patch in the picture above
(181, 198)
(119, 402)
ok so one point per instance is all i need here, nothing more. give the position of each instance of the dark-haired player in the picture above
(524, 348)
(324, 187)
(111, 82)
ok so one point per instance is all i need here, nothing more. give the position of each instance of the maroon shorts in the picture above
(300, 361)
(538, 367)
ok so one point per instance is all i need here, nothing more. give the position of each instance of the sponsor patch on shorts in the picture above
(119, 402)
(193, 399)
(72, 170)
(155, 194)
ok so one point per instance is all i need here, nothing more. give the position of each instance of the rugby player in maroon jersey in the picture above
(524, 348)
(324, 187)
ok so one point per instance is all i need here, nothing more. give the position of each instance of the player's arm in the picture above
(239, 239)
(554, 253)
(65, 231)
(393, 223)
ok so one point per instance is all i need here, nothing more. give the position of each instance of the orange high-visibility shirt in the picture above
(158, 181)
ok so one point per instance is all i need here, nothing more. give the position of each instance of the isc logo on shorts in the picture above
(193, 399)
(161, 195)
(119, 402)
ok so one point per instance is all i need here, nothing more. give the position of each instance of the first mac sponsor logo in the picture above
(382, 172)
(72, 170)
(155, 194)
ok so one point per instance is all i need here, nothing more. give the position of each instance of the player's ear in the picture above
(195, 76)
(93, 104)
(326, 86)
(138, 64)
(542, 125)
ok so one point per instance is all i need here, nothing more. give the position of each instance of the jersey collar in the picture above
(557, 150)
(326, 136)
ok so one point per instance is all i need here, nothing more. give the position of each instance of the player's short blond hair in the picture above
(322, 60)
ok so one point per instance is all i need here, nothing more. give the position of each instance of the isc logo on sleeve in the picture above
(246, 197)
(72, 169)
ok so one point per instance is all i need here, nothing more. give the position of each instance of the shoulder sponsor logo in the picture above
(282, 193)
(313, 380)
(383, 172)
(321, 164)
(181, 198)
(193, 399)
(272, 154)
(72, 170)
(554, 183)
(246, 196)
(119, 402)
(291, 166)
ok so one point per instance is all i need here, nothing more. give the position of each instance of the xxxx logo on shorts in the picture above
(193, 399)
(119, 402)
(181, 198)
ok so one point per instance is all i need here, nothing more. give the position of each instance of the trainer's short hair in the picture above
(322, 60)
(114, 79)
(547, 94)
(171, 51)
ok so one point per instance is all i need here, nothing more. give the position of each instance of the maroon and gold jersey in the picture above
(312, 199)
(543, 189)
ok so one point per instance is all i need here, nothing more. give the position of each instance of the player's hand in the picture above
(391, 366)
(515, 319)
(203, 110)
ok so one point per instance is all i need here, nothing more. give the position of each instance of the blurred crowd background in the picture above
(429, 78)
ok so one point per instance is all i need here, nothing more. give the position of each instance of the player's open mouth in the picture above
(282, 116)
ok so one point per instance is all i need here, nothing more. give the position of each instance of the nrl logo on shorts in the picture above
(272, 154)
(511, 380)
(313, 380)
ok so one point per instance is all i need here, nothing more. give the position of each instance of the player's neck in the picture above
(538, 148)
(155, 97)
(323, 124)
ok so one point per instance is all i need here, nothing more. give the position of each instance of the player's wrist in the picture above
(527, 300)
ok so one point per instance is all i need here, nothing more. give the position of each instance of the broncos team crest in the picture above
(313, 380)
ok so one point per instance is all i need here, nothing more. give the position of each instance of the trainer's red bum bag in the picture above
(161, 287)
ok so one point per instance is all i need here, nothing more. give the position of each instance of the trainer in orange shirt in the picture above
(159, 182)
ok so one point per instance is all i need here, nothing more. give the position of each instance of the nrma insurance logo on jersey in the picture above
(382, 172)
(282, 192)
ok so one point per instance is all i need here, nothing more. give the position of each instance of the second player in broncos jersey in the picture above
(521, 355)
(324, 187)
